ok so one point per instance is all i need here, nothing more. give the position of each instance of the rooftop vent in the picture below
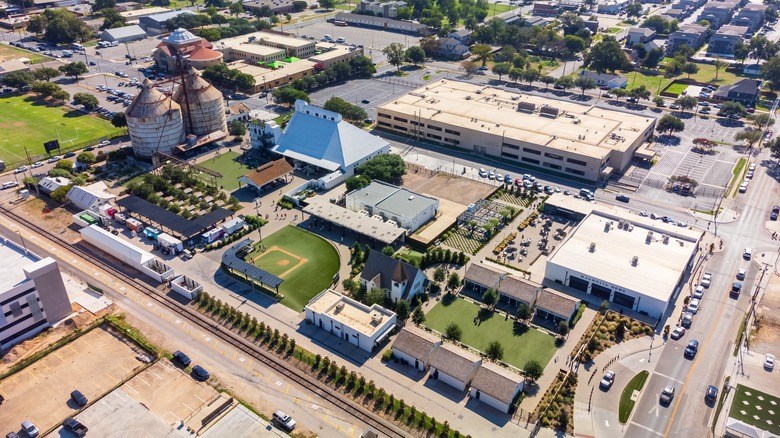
(634, 261)
(411, 197)
(592, 247)
(666, 238)
(376, 318)
(339, 306)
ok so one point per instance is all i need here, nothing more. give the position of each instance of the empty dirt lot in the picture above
(443, 185)
(94, 363)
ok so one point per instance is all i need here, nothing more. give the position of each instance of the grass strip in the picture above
(626, 404)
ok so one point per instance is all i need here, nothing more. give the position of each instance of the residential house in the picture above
(462, 35)
(639, 35)
(49, 184)
(678, 14)
(752, 16)
(399, 280)
(722, 42)
(753, 69)
(555, 306)
(415, 346)
(388, 9)
(691, 35)
(745, 91)
(90, 197)
(611, 6)
(496, 386)
(718, 13)
(606, 79)
(544, 9)
(452, 49)
(454, 365)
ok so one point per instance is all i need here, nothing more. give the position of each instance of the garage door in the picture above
(624, 300)
(600, 291)
(578, 283)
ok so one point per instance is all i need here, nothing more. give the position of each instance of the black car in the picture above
(75, 426)
(69, 154)
(775, 212)
(712, 393)
(78, 397)
(181, 358)
(200, 373)
(622, 198)
(691, 349)
(366, 101)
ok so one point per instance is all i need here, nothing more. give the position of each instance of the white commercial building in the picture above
(127, 253)
(90, 197)
(403, 207)
(632, 261)
(350, 320)
(32, 294)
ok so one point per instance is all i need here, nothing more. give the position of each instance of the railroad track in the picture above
(278, 365)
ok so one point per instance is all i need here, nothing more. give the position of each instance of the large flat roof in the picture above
(660, 262)
(268, 75)
(259, 37)
(184, 227)
(253, 49)
(376, 229)
(13, 260)
(494, 110)
(351, 313)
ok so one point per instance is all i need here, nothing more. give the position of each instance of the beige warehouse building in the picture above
(558, 136)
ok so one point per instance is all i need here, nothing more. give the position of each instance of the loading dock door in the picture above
(600, 291)
(578, 283)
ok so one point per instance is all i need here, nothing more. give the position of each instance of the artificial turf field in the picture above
(304, 261)
(27, 122)
(230, 169)
(756, 408)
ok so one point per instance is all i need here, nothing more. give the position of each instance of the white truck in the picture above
(233, 225)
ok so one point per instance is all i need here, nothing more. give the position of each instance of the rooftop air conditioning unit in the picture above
(666, 238)
(592, 247)
(376, 318)
(634, 261)
(339, 307)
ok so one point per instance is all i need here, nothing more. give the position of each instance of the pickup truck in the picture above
(75, 426)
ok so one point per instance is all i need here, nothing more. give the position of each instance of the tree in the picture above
(761, 120)
(770, 71)
(453, 281)
(469, 66)
(718, 64)
(762, 48)
(60, 194)
(547, 80)
(670, 124)
(439, 274)
(620, 331)
(690, 68)
(687, 102)
(585, 83)
(574, 43)
(388, 250)
(236, 8)
(119, 120)
(402, 310)
(89, 101)
(346, 109)
(565, 82)
(375, 296)
(495, 351)
(357, 182)
(362, 66)
(17, 79)
(634, 9)
(640, 92)
(732, 108)
(501, 69)
(86, 158)
(418, 317)
(60, 96)
(533, 370)
(571, 23)
(749, 136)
(482, 53)
(563, 328)
(328, 4)
(300, 5)
(99, 5)
(659, 24)
(531, 75)
(653, 57)
(350, 285)
(236, 129)
(112, 18)
(395, 54)
(741, 51)
(74, 69)
(385, 167)
(46, 74)
(619, 93)
(61, 26)
(607, 55)
(64, 165)
(415, 54)
(288, 95)
(453, 332)
(490, 298)
(44, 89)
(659, 101)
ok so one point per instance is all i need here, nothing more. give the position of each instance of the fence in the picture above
(64, 148)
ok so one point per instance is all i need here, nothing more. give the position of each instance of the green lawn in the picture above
(749, 403)
(658, 81)
(303, 279)
(410, 255)
(614, 30)
(27, 122)
(736, 176)
(677, 89)
(497, 8)
(626, 404)
(520, 345)
(10, 52)
(229, 167)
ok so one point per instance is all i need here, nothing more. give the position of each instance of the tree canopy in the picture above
(89, 101)
(396, 54)
(770, 71)
(74, 69)
(385, 167)
(669, 123)
(347, 110)
(287, 95)
(60, 26)
(607, 55)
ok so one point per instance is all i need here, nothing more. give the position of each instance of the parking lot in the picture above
(373, 40)
(377, 93)
(94, 363)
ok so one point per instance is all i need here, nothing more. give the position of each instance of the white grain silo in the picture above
(154, 122)
(202, 105)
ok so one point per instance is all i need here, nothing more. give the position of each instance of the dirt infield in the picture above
(443, 185)
(94, 363)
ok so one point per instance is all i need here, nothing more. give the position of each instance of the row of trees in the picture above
(385, 167)
(59, 26)
(358, 67)
(397, 55)
(227, 78)
(21, 79)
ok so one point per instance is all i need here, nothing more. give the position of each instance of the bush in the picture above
(387, 355)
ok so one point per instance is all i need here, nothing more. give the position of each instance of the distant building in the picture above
(718, 13)
(277, 7)
(32, 294)
(384, 23)
(691, 35)
(90, 197)
(744, 91)
(415, 346)
(544, 9)
(336, 55)
(751, 16)
(606, 79)
(722, 42)
(496, 386)
(197, 51)
(450, 48)
(49, 184)
(12, 65)
(156, 24)
(511, 290)
(536, 21)
(269, 173)
(403, 207)
(462, 35)
(387, 9)
(611, 6)
(399, 280)
(639, 35)
(123, 34)
(349, 320)
(555, 306)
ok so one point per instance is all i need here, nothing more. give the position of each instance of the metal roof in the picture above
(234, 262)
(125, 31)
(174, 222)
(381, 231)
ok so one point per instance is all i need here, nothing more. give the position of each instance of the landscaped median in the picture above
(626, 400)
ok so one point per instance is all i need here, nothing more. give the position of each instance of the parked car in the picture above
(76, 427)
(741, 274)
(687, 320)
(54, 159)
(9, 184)
(678, 333)
(284, 421)
(706, 279)
(20, 169)
(711, 394)
(775, 212)
(69, 154)
(698, 292)
(667, 395)
(200, 373)
(622, 198)
(693, 306)
(769, 361)
(747, 254)
(36, 164)
(691, 349)
(607, 380)
(78, 397)
(30, 429)
(181, 358)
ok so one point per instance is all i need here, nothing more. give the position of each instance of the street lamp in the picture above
(22, 239)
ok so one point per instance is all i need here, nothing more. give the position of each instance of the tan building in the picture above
(558, 136)
(335, 56)
(267, 78)
(292, 46)
(254, 53)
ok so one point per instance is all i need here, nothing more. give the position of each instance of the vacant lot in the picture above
(655, 82)
(756, 408)
(228, 165)
(305, 261)
(459, 190)
(8, 52)
(94, 363)
(27, 122)
(520, 343)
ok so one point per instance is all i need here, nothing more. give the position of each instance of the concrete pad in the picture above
(241, 422)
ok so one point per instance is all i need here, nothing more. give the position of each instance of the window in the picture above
(577, 162)
(381, 123)
(511, 146)
(553, 156)
(508, 155)
(381, 116)
(532, 151)
(400, 119)
(437, 137)
(450, 131)
(435, 128)
(530, 160)
(551, 166)
(401, 128)
(449, 140)
(575, 171)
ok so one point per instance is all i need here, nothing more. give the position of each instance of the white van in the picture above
(114, 43)
(748, 254)
(76, 46)
(340, 40)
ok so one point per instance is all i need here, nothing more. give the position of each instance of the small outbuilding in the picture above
(454, 365)
(415, 346)
(123, 34)
(555, 306)
(496, 386)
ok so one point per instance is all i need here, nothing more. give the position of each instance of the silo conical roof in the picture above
(198, 89)
(150, 103)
